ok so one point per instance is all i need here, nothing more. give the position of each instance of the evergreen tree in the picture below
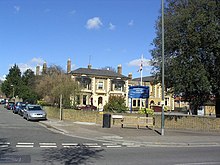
(192, 49)
(13, 82)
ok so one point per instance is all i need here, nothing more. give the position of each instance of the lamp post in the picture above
(162, 28)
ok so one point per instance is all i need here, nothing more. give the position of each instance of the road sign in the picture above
(138, 92)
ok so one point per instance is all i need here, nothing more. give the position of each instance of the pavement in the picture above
(142, 136)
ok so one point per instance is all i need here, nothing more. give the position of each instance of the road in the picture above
(24, 142)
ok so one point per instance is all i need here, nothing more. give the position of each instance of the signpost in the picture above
(140, 92)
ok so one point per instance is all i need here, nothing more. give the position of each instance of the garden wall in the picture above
(185, 122)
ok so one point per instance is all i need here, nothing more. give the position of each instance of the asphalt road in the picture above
(24, 142)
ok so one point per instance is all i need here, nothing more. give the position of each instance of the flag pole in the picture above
(141, 68)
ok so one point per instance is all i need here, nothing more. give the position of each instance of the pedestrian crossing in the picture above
(66, 145)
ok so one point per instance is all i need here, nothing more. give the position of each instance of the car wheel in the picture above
(28, 118)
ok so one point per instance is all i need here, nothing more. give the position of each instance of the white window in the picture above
(100, 85)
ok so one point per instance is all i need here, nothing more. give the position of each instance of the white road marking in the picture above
(24, 146)
(4, 143)
(109, 144)
(4, 146)
(94, 146)
(89, 144)
(70, 144)
(116, 146)
(130, 146)
(48, 146)
(25, 143)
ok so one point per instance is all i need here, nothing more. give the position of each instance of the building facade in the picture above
(98, 85)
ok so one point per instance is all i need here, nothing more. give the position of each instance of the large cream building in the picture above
(98, 85)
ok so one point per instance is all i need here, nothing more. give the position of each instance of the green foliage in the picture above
(192, 54)
(147, 111)
(116, 104)
(13, 82)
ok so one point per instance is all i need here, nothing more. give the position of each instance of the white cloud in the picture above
(137, 62)
(111, 26)
(131, 23)
(94, 23)
(38, 61)
(30, 64)
(17, 8)
(24, 67)
(3, 78)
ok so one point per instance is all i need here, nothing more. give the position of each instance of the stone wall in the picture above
(184, 122)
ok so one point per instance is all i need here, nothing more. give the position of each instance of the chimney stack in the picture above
(119, 69)
(68, 66)
(37, 70)
(44, 71)
(130, 75)
(89, 66)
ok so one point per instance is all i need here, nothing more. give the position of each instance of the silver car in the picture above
(34, 112)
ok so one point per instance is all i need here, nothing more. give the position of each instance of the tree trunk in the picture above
(217, 106)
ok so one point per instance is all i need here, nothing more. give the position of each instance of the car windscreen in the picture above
(34, 108)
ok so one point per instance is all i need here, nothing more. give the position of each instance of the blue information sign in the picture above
(138, 92)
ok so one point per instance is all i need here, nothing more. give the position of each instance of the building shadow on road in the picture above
(71, 156)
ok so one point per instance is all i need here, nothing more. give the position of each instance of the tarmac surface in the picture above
(146, 136)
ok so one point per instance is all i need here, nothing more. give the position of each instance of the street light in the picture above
(13, 90)
(162, 114)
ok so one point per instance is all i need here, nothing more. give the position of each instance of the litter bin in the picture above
(106, 121)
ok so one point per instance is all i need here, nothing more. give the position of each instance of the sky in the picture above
(97, 32)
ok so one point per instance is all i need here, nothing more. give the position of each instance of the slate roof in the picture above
(144, 79)
(98, 72)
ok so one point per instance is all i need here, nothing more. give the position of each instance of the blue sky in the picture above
(104, 32)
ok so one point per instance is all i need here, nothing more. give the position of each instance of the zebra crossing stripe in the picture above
(69, 145)
(48, 145)
(24, 146)
(2, 143)
(4, 146)
(89, 144)
(115, 146)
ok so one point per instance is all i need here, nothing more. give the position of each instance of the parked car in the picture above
(87, 107)
(10, 105)
(17, 106)
(34, 112)
(21, 109)
(3, 101)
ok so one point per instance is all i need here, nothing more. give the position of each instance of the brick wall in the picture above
(186, 122)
